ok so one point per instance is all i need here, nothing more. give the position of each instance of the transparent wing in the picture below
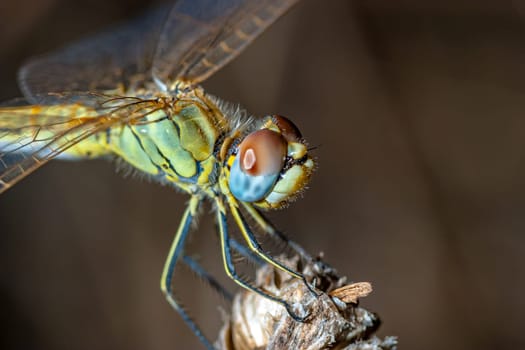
(32, 135)
(113, 59)
(201, 36)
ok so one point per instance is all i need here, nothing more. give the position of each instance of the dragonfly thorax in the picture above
(173, 140)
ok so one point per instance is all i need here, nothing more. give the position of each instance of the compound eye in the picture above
(257, 165)
(288, 129)
(262, 153)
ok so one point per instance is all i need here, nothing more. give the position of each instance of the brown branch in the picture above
(335, 322)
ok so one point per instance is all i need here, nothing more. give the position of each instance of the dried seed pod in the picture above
(350, 293)
(335, 322)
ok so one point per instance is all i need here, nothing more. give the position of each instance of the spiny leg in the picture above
(267, 227)
(205, 276)
(169, 269)
(246, 253)
(208, 278)
(230, 267)
(256, 247)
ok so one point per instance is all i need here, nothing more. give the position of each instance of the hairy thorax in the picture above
(176, 141)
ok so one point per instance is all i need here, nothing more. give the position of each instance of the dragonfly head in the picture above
(271, 165)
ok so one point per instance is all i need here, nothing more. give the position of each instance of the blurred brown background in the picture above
(419, 111)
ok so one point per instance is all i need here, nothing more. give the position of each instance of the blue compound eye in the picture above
(249, 188)
(257, 165)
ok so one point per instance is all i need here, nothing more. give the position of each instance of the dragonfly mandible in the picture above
(133, 93)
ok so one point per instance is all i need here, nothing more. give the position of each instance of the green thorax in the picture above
(177, 143)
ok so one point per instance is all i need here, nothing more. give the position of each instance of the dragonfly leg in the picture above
(230, 267)
(256, 247)
(246, 253)
(267, 227)
(205, 276)
(169, 269)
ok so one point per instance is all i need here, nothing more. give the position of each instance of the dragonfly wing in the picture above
(32, 135)
(21, 156)
(104, 62)
(201, 36)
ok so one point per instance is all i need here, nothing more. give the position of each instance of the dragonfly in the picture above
(133, 93)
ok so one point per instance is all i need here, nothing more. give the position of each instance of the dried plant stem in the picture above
(335, 322)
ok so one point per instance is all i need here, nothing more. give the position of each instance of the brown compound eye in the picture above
(262, 153)
(288, 129)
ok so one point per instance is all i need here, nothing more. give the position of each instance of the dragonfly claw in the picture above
(294, 315)
(312, 289)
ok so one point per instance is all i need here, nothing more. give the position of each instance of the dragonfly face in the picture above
(139, 100)
(271, 165)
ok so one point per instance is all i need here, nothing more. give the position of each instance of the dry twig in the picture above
(336, 321)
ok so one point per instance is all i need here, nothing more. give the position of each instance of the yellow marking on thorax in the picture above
(176, 142)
